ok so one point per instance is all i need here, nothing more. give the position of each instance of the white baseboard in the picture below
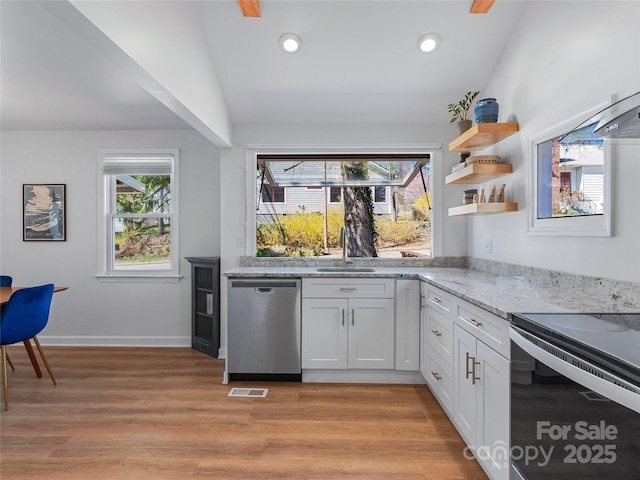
(363, 376)
(100, 341)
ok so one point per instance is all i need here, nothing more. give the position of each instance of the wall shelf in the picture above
(482, 135)
(479, 173)
(483, 208)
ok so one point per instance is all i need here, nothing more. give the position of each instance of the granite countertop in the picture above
(499, 294)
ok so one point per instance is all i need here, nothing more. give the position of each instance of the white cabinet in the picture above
(436, 342)
(481, 401)
(324, 333)
(407, 325)
(464, 358)
(354, 330)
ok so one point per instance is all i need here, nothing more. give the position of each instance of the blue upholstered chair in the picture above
(6, 281)
(23, 317)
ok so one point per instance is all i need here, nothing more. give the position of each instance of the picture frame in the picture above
(44, 212)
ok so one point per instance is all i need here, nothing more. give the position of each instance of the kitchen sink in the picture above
(345, 269)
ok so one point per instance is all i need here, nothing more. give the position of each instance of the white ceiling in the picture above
(358, 63)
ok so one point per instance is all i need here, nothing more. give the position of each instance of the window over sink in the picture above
(318, 186)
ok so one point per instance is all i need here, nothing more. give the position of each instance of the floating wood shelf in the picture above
(483, 208)
(482, 135)
(479, 173)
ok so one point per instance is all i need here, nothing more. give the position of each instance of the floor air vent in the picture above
(248, 392)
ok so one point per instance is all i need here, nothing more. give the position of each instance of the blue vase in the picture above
(487, 110)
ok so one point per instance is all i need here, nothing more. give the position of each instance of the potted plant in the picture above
(460, 111)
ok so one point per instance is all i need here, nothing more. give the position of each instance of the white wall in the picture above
(91, 312)
(565, 58)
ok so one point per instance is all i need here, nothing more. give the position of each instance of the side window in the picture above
(140, 224)
(570, 187)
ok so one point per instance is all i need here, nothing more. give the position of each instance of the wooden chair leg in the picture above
(44, 359)
(5, 383)
(10, 362)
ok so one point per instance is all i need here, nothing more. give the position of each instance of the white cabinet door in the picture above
(407, 324)
(371, 333)
(324, 333)
(465, 393)
(493, 411)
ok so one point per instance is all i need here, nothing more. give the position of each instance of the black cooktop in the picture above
(610, 340)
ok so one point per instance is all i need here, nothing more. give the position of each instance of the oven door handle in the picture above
(620, 395)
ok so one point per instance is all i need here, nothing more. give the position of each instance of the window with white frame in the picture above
(570, 180)
(139, 234)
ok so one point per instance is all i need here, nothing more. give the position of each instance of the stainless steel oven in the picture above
(575, 396)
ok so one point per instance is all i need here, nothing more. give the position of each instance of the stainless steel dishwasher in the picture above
(263, 340)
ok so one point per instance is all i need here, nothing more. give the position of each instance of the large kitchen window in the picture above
(139, 231)
(382, 201)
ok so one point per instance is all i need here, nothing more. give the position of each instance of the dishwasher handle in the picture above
(264, 290)
(262, 285)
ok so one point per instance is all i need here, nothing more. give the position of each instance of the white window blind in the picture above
(147, 165)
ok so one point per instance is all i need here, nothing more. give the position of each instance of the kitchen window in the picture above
(138, 234)
(570, 180)
(325, 192)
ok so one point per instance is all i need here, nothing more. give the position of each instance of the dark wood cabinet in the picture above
(205, 304)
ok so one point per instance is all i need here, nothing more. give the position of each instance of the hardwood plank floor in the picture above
(162, 413)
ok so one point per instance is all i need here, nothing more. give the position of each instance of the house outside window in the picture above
(139, 230)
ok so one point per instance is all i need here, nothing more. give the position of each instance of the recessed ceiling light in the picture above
(290, 42)
(428, 43)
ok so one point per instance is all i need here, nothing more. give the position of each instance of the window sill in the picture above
(138, 278)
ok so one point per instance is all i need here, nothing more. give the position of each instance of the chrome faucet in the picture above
(343, 244)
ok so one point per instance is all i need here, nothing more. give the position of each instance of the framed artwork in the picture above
(44, 217)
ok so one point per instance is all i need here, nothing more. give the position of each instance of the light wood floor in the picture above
(154, 413)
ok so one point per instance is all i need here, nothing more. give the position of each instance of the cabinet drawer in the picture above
(439, 377)
(439, 334)
(438, 299)
(489, 328)
(337, 287)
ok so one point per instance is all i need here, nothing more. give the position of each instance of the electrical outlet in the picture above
(240, 241)
(488, 245)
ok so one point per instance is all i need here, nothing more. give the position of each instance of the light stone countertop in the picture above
(499, 294)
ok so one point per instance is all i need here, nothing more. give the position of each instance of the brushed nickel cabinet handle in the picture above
(343, 317)
(436, 376)
(422, 305)
(472, 321)
(353, 316)
(348, 289)
(473, 371)
(436, 333)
